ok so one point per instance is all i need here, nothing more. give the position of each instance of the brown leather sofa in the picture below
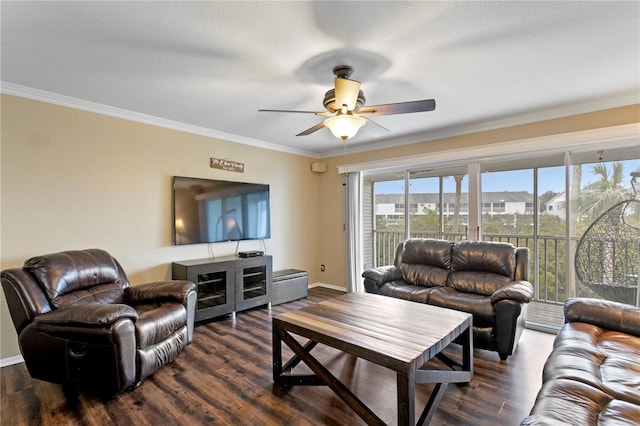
(486, 279)
(592, 376)
(80, 323)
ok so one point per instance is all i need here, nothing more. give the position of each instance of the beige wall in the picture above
(72, 179)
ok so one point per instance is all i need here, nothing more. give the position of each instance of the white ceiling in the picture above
(209, 66)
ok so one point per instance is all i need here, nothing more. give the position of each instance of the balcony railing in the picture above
(547, 264)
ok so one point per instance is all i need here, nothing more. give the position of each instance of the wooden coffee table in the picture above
(394, 333)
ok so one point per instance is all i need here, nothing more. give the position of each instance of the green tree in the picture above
(602, 194)
(429, 221)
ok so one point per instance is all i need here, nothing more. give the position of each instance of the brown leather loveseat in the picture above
(80, 323)
(486, 279)
(592, 376)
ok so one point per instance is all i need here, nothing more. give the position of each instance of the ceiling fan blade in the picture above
(310, 130)
(346, 93)
(399, 108)
(377, 129)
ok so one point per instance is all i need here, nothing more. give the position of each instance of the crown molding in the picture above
(82, 105)
(441, 133)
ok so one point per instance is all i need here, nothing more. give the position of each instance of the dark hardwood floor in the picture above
(224, 377)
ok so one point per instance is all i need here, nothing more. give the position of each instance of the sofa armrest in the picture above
(519, 291)
(97, 315)
(24, 297)
(161, 290)
(609, 315)
(376, 277)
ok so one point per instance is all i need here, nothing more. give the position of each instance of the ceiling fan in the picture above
(346, 112)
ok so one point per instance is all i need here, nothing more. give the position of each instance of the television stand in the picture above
(227, 284)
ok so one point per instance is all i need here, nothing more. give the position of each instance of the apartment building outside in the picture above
(392, 206)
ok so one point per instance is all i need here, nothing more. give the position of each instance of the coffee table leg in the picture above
(432, 404)
(322, 376)
(467, 352)
(277, 351)
(406, 399)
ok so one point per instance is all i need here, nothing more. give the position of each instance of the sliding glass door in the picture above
(520, 204)
(522, 201)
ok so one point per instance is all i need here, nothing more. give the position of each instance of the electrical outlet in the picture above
(321, 268)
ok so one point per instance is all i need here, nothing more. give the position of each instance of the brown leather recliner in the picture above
(80, 323)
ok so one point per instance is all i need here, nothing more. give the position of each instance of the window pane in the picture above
(424, 197)
(456, 197)
(389, 212)
(551, 268)
(440, 203)
(606, 234)
(507, 200)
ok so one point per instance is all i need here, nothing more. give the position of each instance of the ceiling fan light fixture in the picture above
(346, 111)
(344, 126)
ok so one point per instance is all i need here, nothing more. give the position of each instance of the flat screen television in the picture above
(211, 211)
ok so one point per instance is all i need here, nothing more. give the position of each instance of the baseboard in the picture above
(331, 286)
(5, 362)
(545, 328)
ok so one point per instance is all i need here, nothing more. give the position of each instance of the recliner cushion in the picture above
(400, 290)
(425, 262)
(149, 359)
(423, 275)
(477, 282)
(570, 402)
(85, 276)
(479, 306)
(156, 322)
(481, 267)
(604, 359)
(499, 258)
(427, 252)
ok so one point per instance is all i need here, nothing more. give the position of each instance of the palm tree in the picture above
(456, 212)
(596, 199)
(599, 196)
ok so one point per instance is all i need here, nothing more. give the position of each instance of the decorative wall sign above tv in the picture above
(226, 164)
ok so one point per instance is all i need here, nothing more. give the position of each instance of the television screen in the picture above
(210, 211)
